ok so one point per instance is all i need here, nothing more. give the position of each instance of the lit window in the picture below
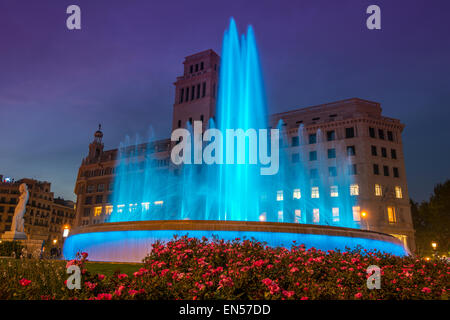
(334, 191)
(298, 216)
(335, 214)
(354, 190)
(280, 195)
(315, 192)
(391, 215)
(280, 216)
(108, 209)
(297, 194)
(398, 192)
(356, 213)
(159, 203)
(316, 217)
(120, 208)
(132, 207)
(262, 217)
(378, 190)
(97, 211)
(145, 206)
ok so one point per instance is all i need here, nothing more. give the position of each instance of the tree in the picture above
(431, 221)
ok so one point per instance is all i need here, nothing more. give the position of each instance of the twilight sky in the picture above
(56, 85)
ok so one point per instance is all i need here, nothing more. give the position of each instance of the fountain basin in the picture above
(131, 241)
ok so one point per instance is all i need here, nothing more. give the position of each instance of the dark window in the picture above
(214, 90)
(374, 150)
(182, 95)
(332, 172)
(2, 209)
(295, 157)
(383, 152)
(352, 169)
(349, 132)
(386, 171)
(204, 89)
(396, 175)
(313, 173)
(351, 151)
(376, 169)
(201, 65)
(86, 212)
(331, 153)
(372, 132)
(295, 141)
(393, 154)
(193, 93)
(187, 94)
(196, 67)
(88, 200)
(198, 91)
(390, 136)
(331, 135)
(191, 69)
(99, 199)
(381, 134)
(179, 123)
(312, 155)
(312, 138)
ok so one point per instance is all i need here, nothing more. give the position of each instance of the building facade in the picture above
(45, 217)
(338, 142)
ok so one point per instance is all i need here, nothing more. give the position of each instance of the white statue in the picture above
(17, 223)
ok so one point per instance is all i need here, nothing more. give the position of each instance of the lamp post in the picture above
(364, 217)
(434, 246)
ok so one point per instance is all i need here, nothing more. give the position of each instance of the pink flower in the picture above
(84, 255)
(288, 294)
(294, 269)
(426, 290)
(358, 295)
(104, 296)
(101, 277)
(24, 282)
(91, 286)
(304, 298)
(122, 276)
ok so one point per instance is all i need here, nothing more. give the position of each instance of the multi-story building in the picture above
(45, 217)
(348, 146)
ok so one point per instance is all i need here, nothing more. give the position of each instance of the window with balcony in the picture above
(297, 194)
(335, 214)
(331, 153)
(334, 191)
(378, 190)
(354, 190)
(315, 192)
(391, 215)
(398, 192)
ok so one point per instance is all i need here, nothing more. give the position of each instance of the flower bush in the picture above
(190, 268)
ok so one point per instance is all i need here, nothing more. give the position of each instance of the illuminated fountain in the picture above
(226, 200)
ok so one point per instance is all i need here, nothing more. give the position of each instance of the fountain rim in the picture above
(220, 225)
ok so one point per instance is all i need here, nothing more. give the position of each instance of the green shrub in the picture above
(11, 249)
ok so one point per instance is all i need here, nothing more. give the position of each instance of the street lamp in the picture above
(364, 217)
(434, 246)
(55, 241)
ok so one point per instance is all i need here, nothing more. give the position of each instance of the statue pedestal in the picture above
(13, 235)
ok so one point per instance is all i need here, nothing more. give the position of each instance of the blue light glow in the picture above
(133, 246)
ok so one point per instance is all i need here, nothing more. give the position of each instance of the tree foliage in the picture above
(432, 220)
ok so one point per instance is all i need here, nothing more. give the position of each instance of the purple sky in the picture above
(56, 85)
